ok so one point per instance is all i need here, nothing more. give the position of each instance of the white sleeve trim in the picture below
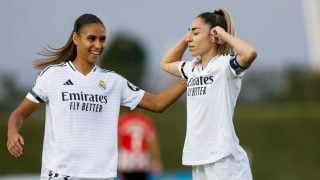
(139, 100)
(32, 98)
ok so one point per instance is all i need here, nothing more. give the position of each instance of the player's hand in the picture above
(216, 34)
(15, 145)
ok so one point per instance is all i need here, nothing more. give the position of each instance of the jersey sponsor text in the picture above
(84, 102)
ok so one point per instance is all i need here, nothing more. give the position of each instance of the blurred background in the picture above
(277, 117)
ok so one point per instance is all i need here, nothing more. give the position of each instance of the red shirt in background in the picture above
(134, 132)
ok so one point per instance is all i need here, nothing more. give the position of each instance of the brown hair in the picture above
(68, 52)
(220, 17)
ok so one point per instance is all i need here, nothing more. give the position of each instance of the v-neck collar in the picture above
(71, 65)
(211, 61)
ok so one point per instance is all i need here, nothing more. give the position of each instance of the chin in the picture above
(94, 60)
(194, 54)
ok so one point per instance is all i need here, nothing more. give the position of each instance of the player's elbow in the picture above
(159, 108)
(253, 54)
(163, 66)
(248, 57)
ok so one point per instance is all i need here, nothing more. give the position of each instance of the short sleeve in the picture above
(186, 68)
(236, 69)
(39, 92)
(131, 94)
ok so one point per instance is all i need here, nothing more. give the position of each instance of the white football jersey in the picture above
(211, 98)
(81, 119)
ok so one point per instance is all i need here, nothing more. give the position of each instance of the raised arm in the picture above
(15, 140)
(158, 103)
(246, 53)
(170, 61)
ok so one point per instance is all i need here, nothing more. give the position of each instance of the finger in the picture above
(15, 148)
(213, 31)
(13, 151)
(21, 140)
(9, 147)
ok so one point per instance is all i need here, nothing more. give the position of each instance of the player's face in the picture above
(199, 38)
(90, 42)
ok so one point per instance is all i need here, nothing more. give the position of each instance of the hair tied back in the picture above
(219, 12)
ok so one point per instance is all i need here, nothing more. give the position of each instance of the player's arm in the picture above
(158, 103)
(170, 61)
(246, 53)
(15, 140)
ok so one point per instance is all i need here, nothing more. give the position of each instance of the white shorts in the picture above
(227, 168)
(50, 175)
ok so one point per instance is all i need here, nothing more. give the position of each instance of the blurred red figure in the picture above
(139, 154)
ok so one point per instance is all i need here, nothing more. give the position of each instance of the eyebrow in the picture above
(91, 35)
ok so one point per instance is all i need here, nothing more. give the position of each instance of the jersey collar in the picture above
(75, 70)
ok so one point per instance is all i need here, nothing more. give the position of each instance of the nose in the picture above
(98, 44)
(188, 37)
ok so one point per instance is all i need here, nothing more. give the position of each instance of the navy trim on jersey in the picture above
(235, 65)
(132, 87)
(71, 66)
(184, 75)
(105, 71)
(53, 65)
(36, 96)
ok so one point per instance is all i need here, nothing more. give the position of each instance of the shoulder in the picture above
(107, 72)
(53, 68)
(225, 58)
(104, 71)
(188, 66)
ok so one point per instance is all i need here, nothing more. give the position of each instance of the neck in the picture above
(205, 59)
(83, 67)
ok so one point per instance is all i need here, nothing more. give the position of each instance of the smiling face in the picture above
(199, 39)
(90, 42)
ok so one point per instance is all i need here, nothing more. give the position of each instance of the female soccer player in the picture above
(214, 78)
(82, 107)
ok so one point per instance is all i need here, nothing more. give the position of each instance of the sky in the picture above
(274, 27)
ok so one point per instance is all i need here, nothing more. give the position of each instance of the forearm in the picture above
(246, 53)
(14, 124)
(20, 114)
(168, 97)
(158, 103)
(171, 59)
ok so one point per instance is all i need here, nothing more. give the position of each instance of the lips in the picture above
(95, 52)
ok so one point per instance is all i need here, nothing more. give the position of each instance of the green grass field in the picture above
(281, 140)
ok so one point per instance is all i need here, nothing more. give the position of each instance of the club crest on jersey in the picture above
(132, 87)
(102, 85)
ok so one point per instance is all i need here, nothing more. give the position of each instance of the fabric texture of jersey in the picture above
(135, 132)
(211, 98)
(82, 114)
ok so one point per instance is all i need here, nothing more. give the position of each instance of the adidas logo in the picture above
(69, 82)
